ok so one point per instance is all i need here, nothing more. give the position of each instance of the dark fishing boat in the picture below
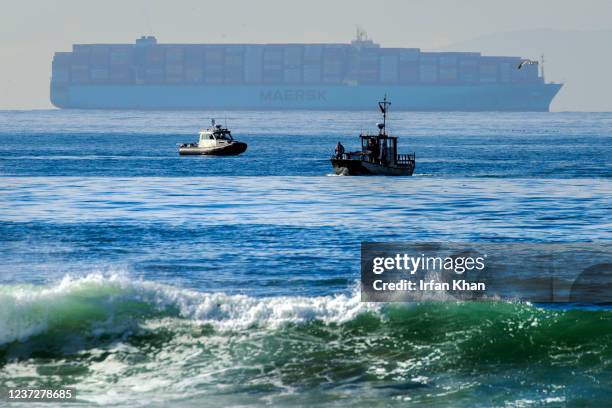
(378, 154)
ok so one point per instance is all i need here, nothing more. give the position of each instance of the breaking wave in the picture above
(123, 342)
(115, 302)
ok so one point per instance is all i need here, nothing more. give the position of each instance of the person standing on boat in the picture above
(383, 152)
(375, 150)
(372, 150)
(339, 150)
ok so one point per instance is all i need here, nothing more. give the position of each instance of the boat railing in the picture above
(349, 156)
(406, 158)
(402, 159)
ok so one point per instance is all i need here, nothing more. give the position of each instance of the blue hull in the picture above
(493, 97)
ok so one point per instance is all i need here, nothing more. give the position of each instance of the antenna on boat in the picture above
(383, 105)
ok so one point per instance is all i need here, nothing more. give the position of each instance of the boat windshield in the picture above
(224, 136)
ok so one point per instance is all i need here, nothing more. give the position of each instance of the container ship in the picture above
(342, 76)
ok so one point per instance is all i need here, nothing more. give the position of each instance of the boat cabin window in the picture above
(224, 136)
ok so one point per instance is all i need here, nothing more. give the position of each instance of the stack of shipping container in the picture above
(273, 64)
(409, 65)
(428, 67)
(61, 67)
(79, 67)
(214, 61)
(369, 66)
(121, 64)
(389, 65)
(292, 68)
(468, 67)
(253, 64)
(174, 64)
(234, 64)
(193, 64)
(311, 68)
(333, 64)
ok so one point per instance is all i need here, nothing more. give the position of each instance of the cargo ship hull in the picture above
(482, 97)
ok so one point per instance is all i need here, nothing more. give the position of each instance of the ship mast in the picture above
(383, 105)
(361, 35)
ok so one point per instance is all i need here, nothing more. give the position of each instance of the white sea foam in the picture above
(102, 300)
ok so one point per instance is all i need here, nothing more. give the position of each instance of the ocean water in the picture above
(142, 278)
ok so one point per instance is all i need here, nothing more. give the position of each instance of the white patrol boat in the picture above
(216, 141)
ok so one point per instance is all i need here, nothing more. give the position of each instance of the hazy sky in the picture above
(30, 31)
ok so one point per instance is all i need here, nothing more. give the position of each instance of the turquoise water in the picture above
(143, 278)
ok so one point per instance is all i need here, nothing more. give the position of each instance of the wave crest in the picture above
(114, 303)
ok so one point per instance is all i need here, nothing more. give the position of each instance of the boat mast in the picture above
(383, 105)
